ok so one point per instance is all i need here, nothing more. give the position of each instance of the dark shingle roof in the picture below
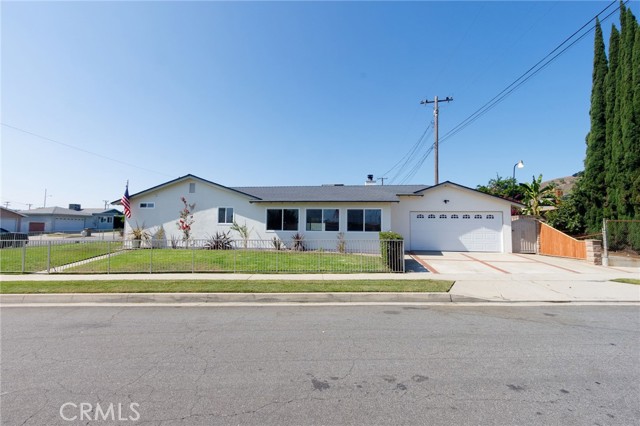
(330, 193)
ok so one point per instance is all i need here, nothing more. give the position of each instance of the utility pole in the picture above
(105, 203)
(382, 180)
(435, 130)
(6, 204)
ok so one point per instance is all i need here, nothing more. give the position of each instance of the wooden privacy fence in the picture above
(556, 243)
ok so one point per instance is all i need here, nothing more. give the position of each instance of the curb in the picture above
(7, 299)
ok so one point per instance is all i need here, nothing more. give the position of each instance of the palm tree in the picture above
(536, 196)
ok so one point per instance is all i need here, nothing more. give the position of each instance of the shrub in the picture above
(391, 248)
(243, 230)
(341, 246)
(298, 242)
(277, 244)
(220, 241)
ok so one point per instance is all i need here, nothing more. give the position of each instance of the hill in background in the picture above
(565, 184)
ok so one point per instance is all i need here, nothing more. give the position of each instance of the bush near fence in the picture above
(623, 235)
(151, 256)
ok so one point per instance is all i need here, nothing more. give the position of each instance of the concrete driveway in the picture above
(527, 277)
(507, 263)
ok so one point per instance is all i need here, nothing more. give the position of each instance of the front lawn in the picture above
(36, 254)
(224, 286)
(198, 260)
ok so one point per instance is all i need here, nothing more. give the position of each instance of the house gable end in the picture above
(448, 184)
(185, 179)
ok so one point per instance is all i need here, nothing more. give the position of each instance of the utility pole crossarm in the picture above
(435, 130)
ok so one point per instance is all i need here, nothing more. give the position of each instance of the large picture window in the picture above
(282, 219)
(225, 214)
(364, 220)
(323, 220)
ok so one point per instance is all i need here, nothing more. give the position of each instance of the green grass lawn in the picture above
(179, 260)
(627, 281)
(223, 286)
(37, 252)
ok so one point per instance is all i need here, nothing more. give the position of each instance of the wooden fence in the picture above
(556, 243)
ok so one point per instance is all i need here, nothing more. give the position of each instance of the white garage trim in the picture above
(474, 231)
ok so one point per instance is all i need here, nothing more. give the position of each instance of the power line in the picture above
(83, 150)
(412, 155)
(408, 155)
(526, 76)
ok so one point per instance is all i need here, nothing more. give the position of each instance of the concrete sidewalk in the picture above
(522, 287)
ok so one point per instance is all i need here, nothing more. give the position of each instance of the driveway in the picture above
(528, 277)
(507, 264)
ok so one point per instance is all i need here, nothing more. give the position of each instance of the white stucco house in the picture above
(444, 217)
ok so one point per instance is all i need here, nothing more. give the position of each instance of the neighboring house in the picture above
(10, 220)
(444, 217)
(73, 219)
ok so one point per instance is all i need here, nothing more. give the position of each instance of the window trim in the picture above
(364, 219)
(282, 209)
(322, 219)
(233, 215)
(192, 185)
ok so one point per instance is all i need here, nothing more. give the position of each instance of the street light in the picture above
(519, 165)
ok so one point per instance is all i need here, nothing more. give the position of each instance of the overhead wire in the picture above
(407, 157)
(83, 150)
(527, 75)
(523, 78)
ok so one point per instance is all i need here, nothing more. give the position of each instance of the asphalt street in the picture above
(321, 365)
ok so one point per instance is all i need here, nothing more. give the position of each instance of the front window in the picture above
(147, 205)
(225, 215)
(367, 220)
(282, 219)
(323, 220)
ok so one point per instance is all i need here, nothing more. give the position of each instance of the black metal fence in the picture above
(91, 256)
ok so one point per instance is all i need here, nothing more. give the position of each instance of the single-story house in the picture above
(73, 219)
(10, 220)
(444, 217)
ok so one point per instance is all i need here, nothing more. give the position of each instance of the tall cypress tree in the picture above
(593, 185)
(612, 147)
(628, 127)
(635, 159)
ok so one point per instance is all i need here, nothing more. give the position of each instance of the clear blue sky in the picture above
(283, 93)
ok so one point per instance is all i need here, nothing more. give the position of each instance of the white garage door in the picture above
(456, 231)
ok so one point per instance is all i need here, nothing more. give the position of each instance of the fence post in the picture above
(24, 255)
(48, 257)
(605, 244)
(151, 258)
(108, 257)
(193, 260)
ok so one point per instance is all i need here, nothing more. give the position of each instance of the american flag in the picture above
(125, 203)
